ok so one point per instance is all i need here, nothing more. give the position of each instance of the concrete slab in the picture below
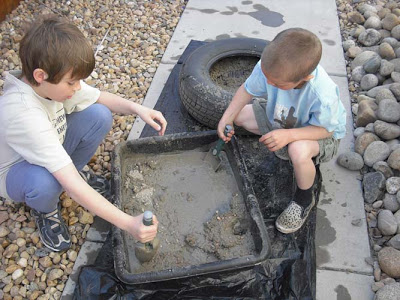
(341, 238)
(264, 19)
(87, 255)
(98, 231)
(157, 85)
(333, 285)
(341, 233)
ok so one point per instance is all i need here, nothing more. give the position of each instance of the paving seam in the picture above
(345, 271)
(168, 62)
(337, 74)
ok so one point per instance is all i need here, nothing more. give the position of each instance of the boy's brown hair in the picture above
(292, 55)
(57, 46)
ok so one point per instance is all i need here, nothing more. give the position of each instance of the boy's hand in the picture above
(276, 139)
(220, 131)
(150, 116)
(141, 232)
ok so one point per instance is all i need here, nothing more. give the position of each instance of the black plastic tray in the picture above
(178, 142)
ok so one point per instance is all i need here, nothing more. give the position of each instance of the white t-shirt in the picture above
(33, 128)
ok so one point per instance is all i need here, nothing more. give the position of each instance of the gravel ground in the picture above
(129, 38)
(371, 42)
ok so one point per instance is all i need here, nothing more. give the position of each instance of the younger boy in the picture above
(51, 124)
(301, 109)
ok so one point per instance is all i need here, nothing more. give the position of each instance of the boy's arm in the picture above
(86, 196)
(279, 138)
(120, 105)
(239, 100)
(311, 132)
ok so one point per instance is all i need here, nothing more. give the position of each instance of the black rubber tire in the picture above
(204, 100)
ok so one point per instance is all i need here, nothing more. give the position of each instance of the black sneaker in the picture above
(52, 230)
(99, 183)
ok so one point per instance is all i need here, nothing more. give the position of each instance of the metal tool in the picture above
(213, 156)
(145, 251)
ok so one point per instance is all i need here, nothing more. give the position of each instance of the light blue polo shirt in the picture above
(316, 103)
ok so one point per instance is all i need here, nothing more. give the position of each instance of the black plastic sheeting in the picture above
(289, 274)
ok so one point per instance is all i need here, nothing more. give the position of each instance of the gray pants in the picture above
(38, 188)
(327, 147)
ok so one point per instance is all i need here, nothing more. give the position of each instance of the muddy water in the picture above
(201, 213)
(229, 73)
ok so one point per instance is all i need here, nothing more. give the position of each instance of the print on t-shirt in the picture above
(284, 116)
(60, 124)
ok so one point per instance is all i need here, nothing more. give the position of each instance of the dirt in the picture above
(230, 72)
(202, 215)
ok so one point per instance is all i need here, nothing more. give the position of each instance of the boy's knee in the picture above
(103, 115)
(243, 116)
(100, 116)
(238, 121)
(298, 151)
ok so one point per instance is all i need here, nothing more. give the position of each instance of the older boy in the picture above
(303, 112)
(51, 123)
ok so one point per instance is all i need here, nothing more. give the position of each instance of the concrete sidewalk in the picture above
(341, 247)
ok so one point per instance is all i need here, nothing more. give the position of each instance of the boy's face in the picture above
(61, 91)
(284, 85)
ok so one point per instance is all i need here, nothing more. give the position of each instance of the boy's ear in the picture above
(308, 77)
(40, 75)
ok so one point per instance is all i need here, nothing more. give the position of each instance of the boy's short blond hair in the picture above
(57, 46)
(292, 55)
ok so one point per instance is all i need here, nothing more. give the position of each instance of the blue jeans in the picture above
(38, 188)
